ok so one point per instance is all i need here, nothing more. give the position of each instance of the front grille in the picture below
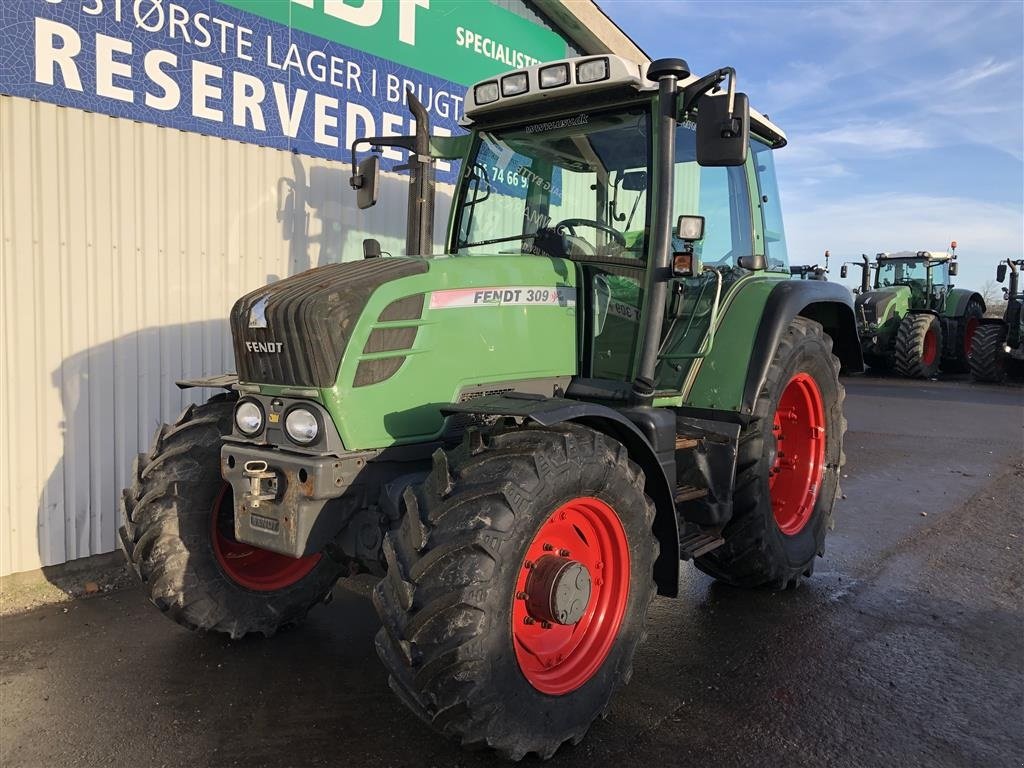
(309, 320)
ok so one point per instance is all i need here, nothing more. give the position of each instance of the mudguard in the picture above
(958, 299)
(830, 304)
(654, 453)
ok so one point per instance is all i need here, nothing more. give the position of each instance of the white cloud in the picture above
(986, 232)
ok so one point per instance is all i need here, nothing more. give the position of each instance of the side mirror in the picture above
(843, 271)
(754, 263)
(634, 181)
(722, 138)
(1001, 272)
(366, 182)
(954, 269)
(371, 248)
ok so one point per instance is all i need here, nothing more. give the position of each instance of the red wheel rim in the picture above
(794, 480)
(560, 658)
(252, 567)
(930, 348)
(972, 326)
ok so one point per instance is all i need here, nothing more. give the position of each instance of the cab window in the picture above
(771, 208)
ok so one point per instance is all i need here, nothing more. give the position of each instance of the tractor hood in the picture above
(875, 307)
(388, 342)
(295, 331)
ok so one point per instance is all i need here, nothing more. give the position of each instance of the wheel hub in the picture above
(558, 590)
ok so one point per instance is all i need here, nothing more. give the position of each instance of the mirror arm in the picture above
(405, 142)
(695, 90)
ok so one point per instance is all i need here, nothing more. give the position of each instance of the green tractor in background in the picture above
(524, 436)
(998, 345)
(911, 319)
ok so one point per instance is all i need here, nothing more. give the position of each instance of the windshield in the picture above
(901, 272)
(572, 187)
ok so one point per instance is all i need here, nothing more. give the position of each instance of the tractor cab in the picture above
(926, 273)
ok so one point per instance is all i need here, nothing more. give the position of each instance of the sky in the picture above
(905, 119)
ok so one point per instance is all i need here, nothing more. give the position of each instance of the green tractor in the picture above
(606, 372)
(912, 319)
(998, 345)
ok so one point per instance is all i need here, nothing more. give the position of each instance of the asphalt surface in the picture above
(905, 648)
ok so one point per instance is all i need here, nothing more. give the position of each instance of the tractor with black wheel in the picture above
(997, 349)
(913, 320)
(523, 436)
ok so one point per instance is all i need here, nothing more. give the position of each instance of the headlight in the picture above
(592, 71)
(301, 425)
(485, 93)
(513, 85)
(249, 417)
(554, 76)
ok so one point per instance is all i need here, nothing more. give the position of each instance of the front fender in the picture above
(830, 304)
(658, 466)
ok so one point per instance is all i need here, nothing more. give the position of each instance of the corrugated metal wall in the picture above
(123, 246)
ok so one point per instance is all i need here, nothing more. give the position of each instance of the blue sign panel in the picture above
(205, 67)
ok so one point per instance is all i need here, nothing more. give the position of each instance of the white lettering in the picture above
(49, 56)
(107, 67)
(202, 90)
(407, 19)
(290, 116)
(248, 92)
(322, 121)
(365, 15)
(358, 113)
(171, 93)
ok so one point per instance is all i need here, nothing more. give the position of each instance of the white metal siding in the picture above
(123, 246)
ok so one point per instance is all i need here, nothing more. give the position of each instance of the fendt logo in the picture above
(268, 347)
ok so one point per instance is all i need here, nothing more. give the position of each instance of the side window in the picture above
(721, 196)
(771, 208)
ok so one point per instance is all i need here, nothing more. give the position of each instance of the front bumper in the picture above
(289, 503)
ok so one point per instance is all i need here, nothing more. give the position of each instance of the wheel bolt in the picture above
(563, 553)
(545, 625)
(528, 620)
(548, 547)
(521, 595)
(528, 564)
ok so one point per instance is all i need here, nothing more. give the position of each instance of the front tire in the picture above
(177, 534)
(919, 346)
(787, 471)
(469, 639)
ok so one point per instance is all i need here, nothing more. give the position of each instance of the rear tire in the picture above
(966, 326)
(988, 359)
(455, 639)
(781, 514)
(919, 346)
(172, 539)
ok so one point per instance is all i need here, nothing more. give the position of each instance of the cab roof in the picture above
(508, 93)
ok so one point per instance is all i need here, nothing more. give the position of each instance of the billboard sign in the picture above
(297, 75)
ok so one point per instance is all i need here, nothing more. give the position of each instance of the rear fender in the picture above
(958, 299)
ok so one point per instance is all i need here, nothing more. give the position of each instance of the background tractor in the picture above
(525, 435)
(997, 347)
(913, 320)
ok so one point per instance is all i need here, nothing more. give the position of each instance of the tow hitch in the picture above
(257, 472)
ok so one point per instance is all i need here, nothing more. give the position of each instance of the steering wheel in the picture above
(571, 224)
